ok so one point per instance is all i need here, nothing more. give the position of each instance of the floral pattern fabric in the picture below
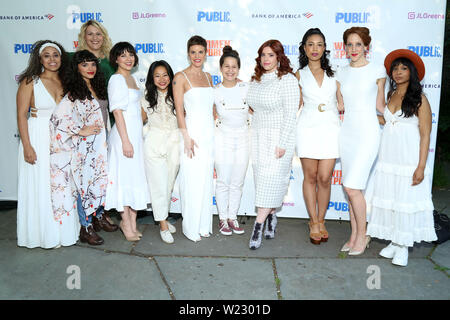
(78, 165)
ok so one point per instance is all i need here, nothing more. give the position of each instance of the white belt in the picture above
(35, 113)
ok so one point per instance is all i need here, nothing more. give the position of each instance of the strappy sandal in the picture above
(323, 233)
(314, 237)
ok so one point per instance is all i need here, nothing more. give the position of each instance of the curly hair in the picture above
(413, 97)
(75, 86)
(107, 43)
(285, 64)
(303, 59)
(35, 68)
(151, 89)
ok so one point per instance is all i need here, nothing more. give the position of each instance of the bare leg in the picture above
(163, 225)
(310, 169)
(125, 224)
(351, 242)
(324, 173)
(133, 215)
(358, 208)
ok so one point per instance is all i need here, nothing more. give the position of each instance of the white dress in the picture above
(359, 137)
(275, 103)
(397, 210)
(36, 224)
(127, 183)
(196, 174)
(318, 132)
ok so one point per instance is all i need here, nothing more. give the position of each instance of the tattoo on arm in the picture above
(174, 83)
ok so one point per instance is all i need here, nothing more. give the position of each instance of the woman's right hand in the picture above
(90, 130)
(29, 155)
(127, 149)
(189, 145)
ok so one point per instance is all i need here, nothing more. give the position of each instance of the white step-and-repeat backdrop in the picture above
(159, 29)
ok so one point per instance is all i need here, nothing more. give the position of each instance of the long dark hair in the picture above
(413, 97)
(152, 91)
(76, 86)
(34, 68)
(303, 59)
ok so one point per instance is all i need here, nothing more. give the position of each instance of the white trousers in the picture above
(231, 162)
(162, 161)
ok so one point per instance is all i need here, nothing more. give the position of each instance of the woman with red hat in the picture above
(400, 196)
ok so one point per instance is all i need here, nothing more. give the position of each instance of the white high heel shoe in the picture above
(357, 253)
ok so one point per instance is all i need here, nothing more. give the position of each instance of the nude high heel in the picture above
(132, 238)
(345, 248)
(357, 253)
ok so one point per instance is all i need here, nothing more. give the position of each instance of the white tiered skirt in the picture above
(398, 211)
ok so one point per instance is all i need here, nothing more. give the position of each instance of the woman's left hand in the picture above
(418, 176)
(279, 152)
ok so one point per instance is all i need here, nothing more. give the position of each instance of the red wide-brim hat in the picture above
(408, 54)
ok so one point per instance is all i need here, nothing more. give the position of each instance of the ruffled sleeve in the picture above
(117, 93)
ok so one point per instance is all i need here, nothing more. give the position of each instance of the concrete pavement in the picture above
(221, 267)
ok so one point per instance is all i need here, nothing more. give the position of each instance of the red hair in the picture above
(285, 64)
(362, 32)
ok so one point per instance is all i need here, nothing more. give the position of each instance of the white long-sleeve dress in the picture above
(275, 103)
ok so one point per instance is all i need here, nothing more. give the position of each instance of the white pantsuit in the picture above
(161, 154)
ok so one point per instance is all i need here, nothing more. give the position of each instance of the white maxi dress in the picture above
(196, 174)
(397, 210)
(37, 226)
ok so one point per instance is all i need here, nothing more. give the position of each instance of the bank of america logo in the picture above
(49, 16)
(308, 15)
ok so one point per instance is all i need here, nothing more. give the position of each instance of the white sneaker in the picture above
(401, 256)
(166, 236)
(172, 229)
(389, 251)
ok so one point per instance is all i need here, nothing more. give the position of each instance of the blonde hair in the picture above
(106, 45)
